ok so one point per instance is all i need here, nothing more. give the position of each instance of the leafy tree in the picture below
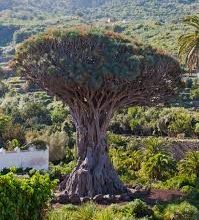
(96, 73)
(189, 43)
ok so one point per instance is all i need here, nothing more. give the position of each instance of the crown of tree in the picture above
(65, 61)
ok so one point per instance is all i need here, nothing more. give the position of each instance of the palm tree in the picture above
(189, 44)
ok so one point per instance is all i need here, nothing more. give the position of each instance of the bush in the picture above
(56, 171)
(36, 113)
(190, 164)
(24, 198)
(181, 122)
(157, 167)
(195, 94)
(117, 140)
(10, 131)
(137, 209)
(182, 211)
(178, 182)
(59, 113)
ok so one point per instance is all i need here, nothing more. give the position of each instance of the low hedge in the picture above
(24, 198)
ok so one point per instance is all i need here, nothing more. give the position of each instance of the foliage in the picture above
(94, 10)
(9, 132)
(190, 164)
(59, 113)
(182, 211)
(189, 48)
(178, 182)
(105, 55)
(155, 121)
(158, 167)
(56, 171)
(153, 145)
(133, 210)
(57, 143)
(195, 94)
(181, 123)
(24, 198)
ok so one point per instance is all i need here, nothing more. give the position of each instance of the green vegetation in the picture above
(24, 198)
(189, 48)
(147, 20)
(92, 10)
(136, 210)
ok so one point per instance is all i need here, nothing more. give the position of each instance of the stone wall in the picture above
(179, 148)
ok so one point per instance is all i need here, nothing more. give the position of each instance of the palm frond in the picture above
(192, 21)
(189, 44)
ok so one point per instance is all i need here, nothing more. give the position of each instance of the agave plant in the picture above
(189, 44)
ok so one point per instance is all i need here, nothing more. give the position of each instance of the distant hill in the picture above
(157, 22)
(97, 9)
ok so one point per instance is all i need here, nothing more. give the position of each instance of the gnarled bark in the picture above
(94, 173)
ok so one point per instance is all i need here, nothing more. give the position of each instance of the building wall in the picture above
(37, 159)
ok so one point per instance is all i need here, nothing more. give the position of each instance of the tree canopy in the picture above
(64, 61)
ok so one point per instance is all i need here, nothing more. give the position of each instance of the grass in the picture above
(136, 210)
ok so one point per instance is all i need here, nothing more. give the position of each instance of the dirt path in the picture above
(157, 196)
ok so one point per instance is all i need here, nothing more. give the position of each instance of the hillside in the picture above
(144, 19)
(162, 10)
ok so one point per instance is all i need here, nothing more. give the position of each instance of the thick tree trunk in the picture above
(94, 173)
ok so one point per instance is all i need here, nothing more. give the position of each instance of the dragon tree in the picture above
(96, 73)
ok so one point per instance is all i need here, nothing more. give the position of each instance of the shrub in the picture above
(178, 182)
(117, 140)
(59, 113)
(182, 211)
(14, 132)
(10, 131)
(137, 209)
(181, 122)
(195, 94)
(35, 113)
(24, 198)
(157, 167)
(190, 164)
(126, 163)
(153, 145)
(56, 171)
